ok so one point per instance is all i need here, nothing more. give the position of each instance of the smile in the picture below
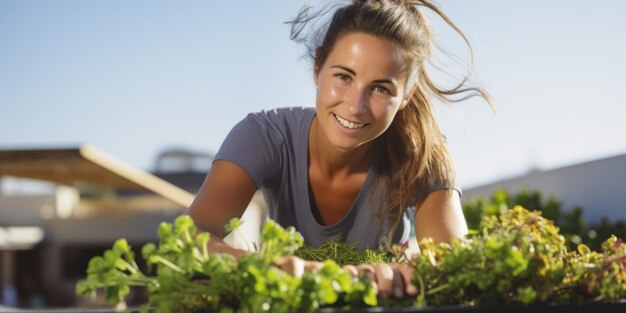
(348, 124)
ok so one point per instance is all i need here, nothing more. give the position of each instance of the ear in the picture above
(408, 96)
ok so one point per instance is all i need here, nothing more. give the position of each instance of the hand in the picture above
(296, 266)
(390, 279)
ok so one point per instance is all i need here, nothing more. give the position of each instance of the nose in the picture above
(357, 100)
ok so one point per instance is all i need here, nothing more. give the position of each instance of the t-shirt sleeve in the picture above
(253, 144)
(443, 185)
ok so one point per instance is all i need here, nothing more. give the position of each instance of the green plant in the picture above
(518, 257)
(342, 253)
(571, 222)
(188, 278)
(515, 257)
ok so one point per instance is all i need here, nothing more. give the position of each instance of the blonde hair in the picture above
(415, 157)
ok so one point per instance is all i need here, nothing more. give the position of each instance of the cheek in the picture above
(385, 107)
(329, 92)
(385, 110)
(335, 91)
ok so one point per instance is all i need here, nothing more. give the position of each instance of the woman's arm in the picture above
(440, 217)
(225, 194)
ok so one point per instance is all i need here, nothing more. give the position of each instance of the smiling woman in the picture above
(361, 89)
(355, 166)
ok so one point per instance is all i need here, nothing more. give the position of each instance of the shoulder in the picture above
(283, 123)
(288, 116)
(262, 141)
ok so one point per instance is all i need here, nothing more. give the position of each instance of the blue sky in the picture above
(136, 77)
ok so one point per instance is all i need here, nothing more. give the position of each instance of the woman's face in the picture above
(360, 88)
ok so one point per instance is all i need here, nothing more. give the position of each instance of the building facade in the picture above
(599, 187)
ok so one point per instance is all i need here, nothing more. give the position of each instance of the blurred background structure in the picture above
(598, 186)
(82, 201)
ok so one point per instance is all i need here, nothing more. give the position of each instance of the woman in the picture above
(353, 167)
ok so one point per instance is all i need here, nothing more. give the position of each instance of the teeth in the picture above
(347, 123)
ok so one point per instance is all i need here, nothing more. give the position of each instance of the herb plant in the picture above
(517, 257)
(343, 253)
(188, 278)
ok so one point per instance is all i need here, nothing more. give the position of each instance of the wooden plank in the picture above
(86, 165)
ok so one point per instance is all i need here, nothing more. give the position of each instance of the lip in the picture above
(346, 129)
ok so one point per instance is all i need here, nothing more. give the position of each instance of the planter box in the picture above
(617, 307)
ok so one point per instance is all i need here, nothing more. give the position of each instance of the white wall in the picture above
(599, 187)
(35, 209)
(22, 210)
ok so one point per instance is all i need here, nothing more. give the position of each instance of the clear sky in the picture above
(136, 77)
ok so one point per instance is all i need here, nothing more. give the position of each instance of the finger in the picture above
(291, 265)
(398, 284)
(312, 265)
(384, 279)
(407, 277)
(368, 271)
(351, 269)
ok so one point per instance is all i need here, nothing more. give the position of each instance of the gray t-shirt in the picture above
(272, 147)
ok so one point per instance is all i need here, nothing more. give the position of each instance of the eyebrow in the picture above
(378, 81)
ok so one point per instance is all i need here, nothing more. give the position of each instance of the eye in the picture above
(343, 76)
(382, 90)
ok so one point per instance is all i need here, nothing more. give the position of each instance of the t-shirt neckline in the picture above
(357, 201)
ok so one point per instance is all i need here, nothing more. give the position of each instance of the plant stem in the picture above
(437, 289)
(170, 264)
(134, 281)
(128, 266)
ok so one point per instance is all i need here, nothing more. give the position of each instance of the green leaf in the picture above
(145, 308)
(369, 297)
(165, 230)
(148, 249)
(121, 246)
(232, 225)
(184, 223)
